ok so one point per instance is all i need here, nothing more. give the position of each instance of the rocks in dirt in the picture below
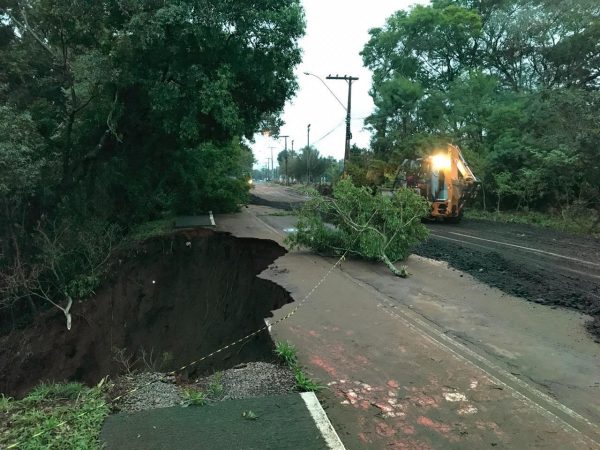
(254, 379)
(150, 391)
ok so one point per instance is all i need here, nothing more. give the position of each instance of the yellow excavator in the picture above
(444, 178)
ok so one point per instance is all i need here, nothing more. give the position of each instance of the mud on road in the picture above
(493, 253)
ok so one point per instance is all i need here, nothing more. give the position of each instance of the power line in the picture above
(329, 132)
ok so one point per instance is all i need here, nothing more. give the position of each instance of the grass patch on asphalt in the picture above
(288, 354)
(45, 408)
(579, 225)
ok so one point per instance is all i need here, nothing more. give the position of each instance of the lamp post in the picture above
(325, 84)
(272, 165)
(308, 154)
(285, 156)
(349, 80)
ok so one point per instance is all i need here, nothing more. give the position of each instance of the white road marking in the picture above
(332, 439)
(535, 250)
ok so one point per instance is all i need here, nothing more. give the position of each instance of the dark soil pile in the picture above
(169, 301)
(519, 278)
(286, 206)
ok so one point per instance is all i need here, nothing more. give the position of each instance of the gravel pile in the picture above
(153, 390)
(157, 390)
(257, 379)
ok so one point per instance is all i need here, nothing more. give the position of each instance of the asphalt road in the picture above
(474, 366)
(540, 265)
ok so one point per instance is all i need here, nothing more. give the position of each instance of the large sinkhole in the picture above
(168, 302)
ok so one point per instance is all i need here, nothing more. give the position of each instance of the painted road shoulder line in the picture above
(322, 421)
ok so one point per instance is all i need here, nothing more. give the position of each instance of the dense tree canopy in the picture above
(307, 164)
(515, 83)
(122, 111)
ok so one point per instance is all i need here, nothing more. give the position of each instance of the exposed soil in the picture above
(177, 298)
(286, 206)
(518, 273)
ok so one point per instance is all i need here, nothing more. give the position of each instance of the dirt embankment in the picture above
(170, 301)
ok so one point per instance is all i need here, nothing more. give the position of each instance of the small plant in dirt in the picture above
(366, 225)
(124, 360)
(287, 353)
(215, 387)
(33, 422)
(193, 397)
(156, 363)
(305, 383)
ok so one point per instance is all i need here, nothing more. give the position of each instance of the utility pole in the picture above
(308, 154)
(285, 159)
(292, 149)
(272, 168)
(349, 80)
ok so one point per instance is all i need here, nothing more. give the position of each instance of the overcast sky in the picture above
(336, 32)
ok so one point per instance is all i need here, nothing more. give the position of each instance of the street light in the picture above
(325, 84)
(308, 154)
(285, 154)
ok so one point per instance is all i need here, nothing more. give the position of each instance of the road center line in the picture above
(535, 250)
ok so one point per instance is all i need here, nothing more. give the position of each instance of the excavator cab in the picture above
(444, 178)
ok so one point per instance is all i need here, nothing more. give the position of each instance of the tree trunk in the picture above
(394, 269)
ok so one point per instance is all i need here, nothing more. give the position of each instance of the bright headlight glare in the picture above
(440, 162)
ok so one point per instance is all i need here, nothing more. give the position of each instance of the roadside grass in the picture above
(44, 408)
(578, 225)
(304, 383)
(288, 354)
(151, 229)
(194, 397)
(215, 388)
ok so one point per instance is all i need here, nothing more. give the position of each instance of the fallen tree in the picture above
(367, 225)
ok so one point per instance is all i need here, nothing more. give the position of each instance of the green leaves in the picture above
(367, 225)
(508, 81)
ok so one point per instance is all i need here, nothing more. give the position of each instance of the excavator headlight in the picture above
(440, 162)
